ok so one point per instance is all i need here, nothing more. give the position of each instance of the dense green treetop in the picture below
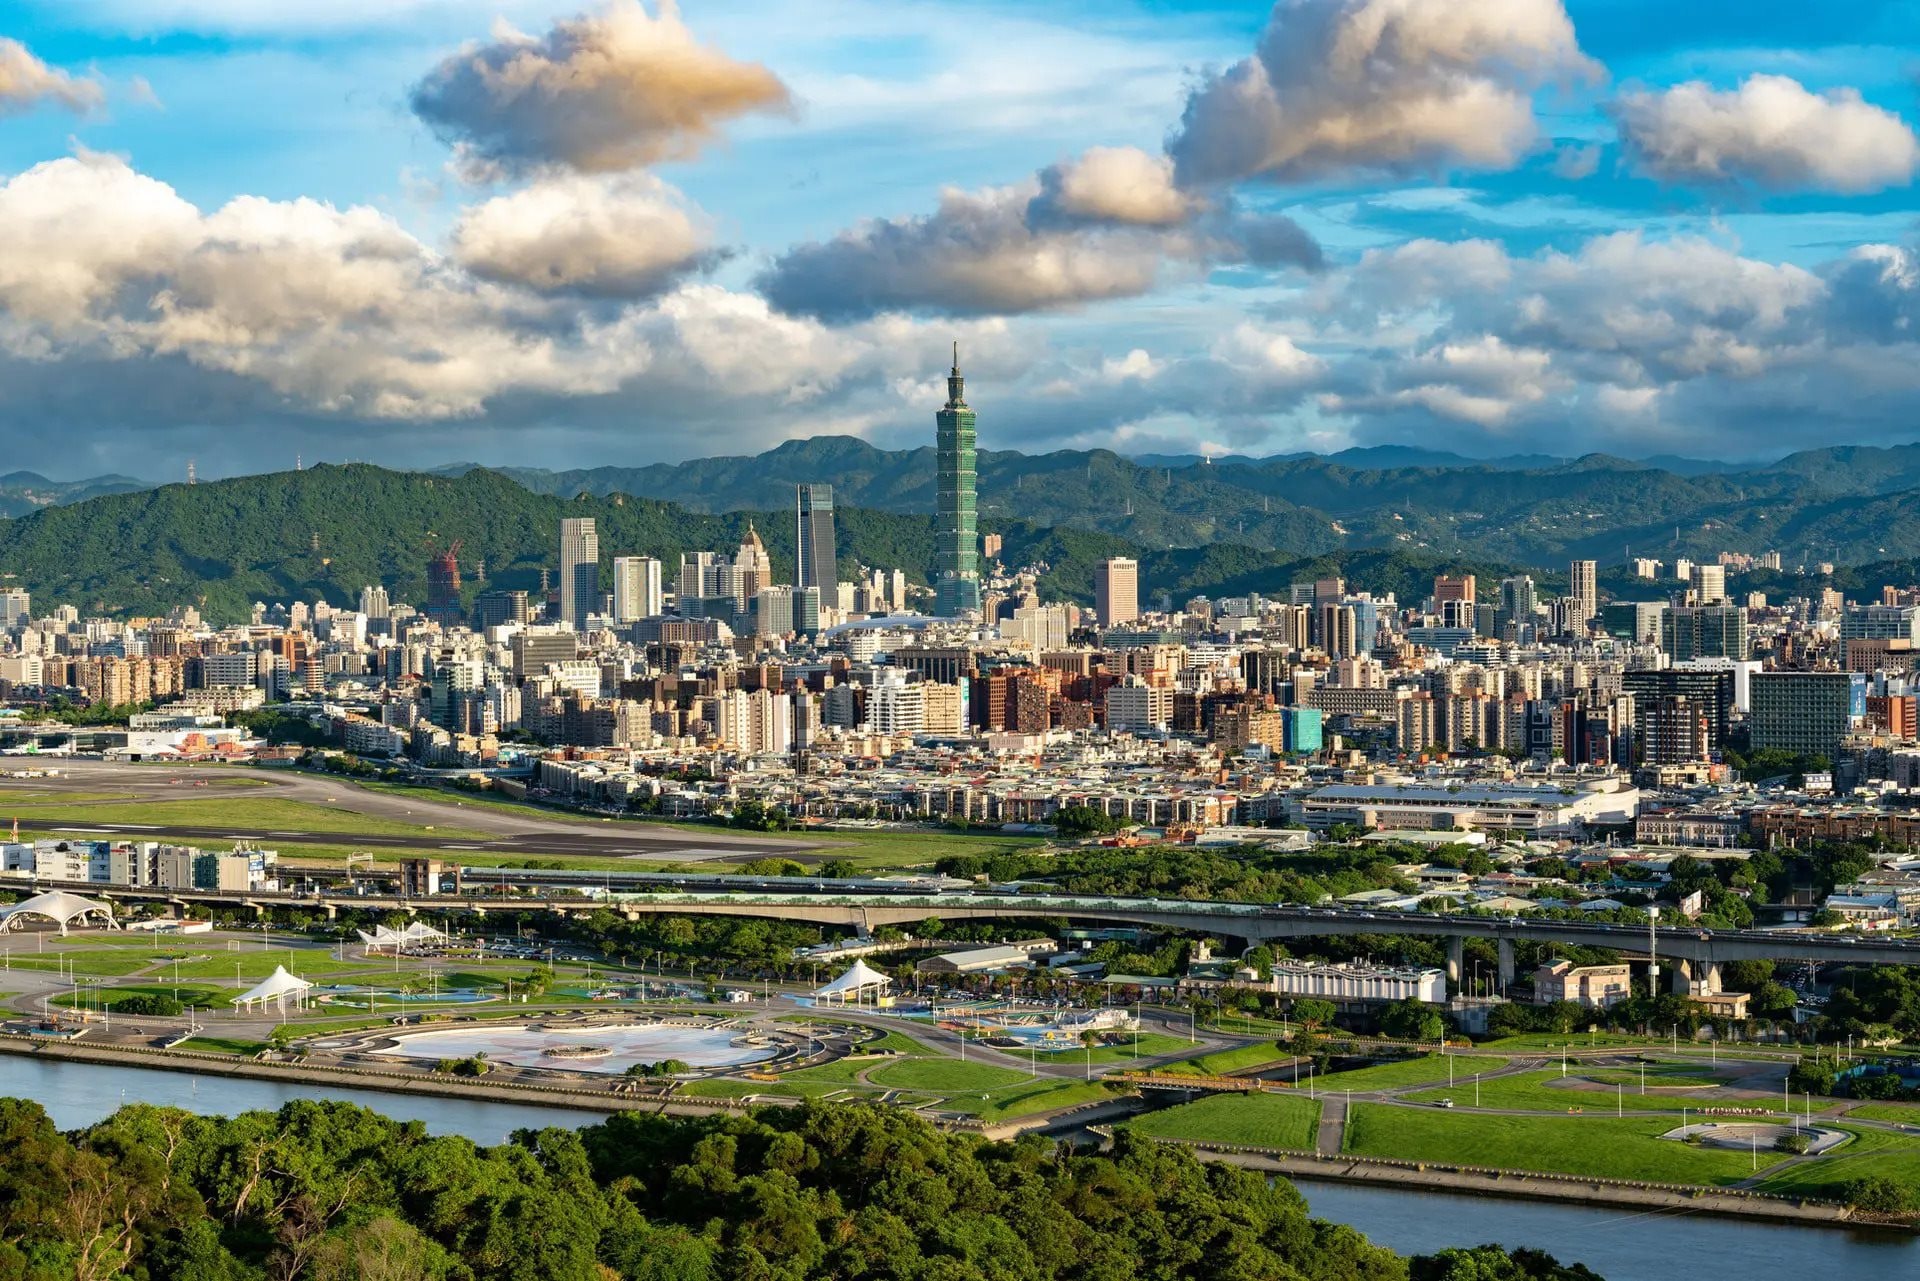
(332, 1191)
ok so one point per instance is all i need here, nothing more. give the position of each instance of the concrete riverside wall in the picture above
(395, 1082)
(1538, 1187)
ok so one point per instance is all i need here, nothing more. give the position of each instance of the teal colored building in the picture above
(1300, 729)
(957, 531)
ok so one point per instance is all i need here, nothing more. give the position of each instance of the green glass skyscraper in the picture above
(957, 589)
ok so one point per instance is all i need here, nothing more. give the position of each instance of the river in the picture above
(1620, 1245)
(78, 1094)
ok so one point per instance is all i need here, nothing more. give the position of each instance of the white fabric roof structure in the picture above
(277, 987)
(858, 979)
(60, 907)
(416, 932)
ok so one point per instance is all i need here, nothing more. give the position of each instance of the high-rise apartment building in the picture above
(957, 586)
(816, 558)
(1806, 712)
(579, 570)
(373, 601)
(1585, 576)
(1116, 591)
(636, 588)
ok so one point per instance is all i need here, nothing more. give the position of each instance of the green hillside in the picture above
(1853, 504)
(324, 532)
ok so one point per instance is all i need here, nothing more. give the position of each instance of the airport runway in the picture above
(502, 831)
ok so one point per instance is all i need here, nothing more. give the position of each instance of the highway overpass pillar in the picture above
(1507, 968)
(1456, 961)
(1682, 971)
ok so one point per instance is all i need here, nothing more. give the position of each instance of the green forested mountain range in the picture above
(327, 531)
(1853, 504)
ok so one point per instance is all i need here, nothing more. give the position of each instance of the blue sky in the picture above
(246, 229)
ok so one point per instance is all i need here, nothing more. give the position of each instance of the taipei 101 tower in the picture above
(957, 590)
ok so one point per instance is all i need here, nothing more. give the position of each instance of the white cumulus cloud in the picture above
(1337, 86)
(608, 235)
(1771, 132)
(599, 92)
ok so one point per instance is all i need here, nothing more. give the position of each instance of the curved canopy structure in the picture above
(278, 987)
(60, 907)
(859, 980)
(417, 934)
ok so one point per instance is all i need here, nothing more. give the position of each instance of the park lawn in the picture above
(1665, 1076)
(1141, 1045)
(189, 993)
(1901, 1113)
(889, 1043)
(257, 964)
(1541, 1092)
(1249, 1025)
(248, 813)
(1868, 1154)
(1427, 1069)
(1225, 1062)
(1588, 1146)
(1026, 1098)
(105, 963)
(1249, 1120)
(223, 1045)
(844, 1071)
(942, 1076)
(1578, 1040)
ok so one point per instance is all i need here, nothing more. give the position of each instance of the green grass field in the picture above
(1543, 1092)
(1868, 1154)
(1900, 1113)
(1225, 1062)
(244, 813)
(105, 963)
(1140, 1045)
(1406, 1072)
(1591, 1146)
(188, 993)
(945, 1076)
(1252, 1120)
(1026, 1098)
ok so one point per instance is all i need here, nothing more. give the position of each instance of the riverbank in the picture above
(393, 1082)
(1546, 1187)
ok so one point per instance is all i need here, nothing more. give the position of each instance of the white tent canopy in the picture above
(417, 932)
(859, 980)
(60, 907)
(276, 987)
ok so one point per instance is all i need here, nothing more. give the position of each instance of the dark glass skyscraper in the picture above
(817, 560)
(957, 589)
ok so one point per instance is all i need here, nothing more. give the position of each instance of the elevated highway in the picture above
(1694, 953)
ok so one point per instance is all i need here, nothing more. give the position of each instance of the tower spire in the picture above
(956, 385)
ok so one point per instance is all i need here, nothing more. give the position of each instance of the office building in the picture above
(699, 576)
(773, 611)
(817, 560)
(1804, 712)
(1519, 602)
(957, 584)
(500, 608)
(1704, 631)
(752, 568)
(579, 570)
(373, 602)
(1585, 575)
(1709, 583)
(1116, 591)
(636, 588)
(1670, 702)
